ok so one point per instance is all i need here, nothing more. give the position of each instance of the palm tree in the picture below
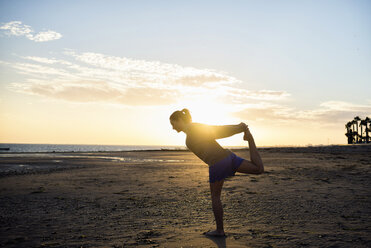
(356, 119)
(368, 121)
(349, 133)
(363, 123)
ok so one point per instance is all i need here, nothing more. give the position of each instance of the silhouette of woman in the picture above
(201, 140)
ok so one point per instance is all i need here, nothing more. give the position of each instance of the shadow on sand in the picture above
(226, 241)
(219, 241)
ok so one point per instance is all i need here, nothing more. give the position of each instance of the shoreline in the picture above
(21, 163)
(273, 148)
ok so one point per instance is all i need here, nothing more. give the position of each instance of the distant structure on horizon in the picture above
(356, 134)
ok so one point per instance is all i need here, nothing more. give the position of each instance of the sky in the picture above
(112, 72)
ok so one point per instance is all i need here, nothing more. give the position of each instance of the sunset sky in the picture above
(112, 72)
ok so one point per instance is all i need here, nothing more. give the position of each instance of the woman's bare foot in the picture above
(247, 136)
(215, 233)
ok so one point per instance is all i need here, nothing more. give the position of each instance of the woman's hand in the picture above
(243, 126)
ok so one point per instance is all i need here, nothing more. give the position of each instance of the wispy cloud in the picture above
(16, 28)
(329, 112)
(97, 91)
(240, 96)
(41, 60)
(154, 71)
(93, 77)
(99, 78)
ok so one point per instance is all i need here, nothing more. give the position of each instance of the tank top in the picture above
(202, 143)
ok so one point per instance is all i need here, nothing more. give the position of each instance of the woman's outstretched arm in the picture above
(225, 131)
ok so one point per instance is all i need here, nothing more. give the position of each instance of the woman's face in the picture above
(177, 125)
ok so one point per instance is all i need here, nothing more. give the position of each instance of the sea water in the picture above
(14, 148)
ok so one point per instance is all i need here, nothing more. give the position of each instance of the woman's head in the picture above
(179, 119)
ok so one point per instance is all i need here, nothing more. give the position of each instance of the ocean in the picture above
(17, 148)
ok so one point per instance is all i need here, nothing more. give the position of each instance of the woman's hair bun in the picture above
(184, 114)
(187, 115)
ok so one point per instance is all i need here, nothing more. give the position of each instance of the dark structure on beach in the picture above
(358, 130)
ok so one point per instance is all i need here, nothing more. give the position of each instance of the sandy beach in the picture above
(307, 197)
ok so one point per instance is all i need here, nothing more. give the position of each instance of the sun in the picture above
(209, 111)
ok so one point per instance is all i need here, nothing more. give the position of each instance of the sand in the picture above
(308, 197)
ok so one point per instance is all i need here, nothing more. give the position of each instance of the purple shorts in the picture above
(226, 167)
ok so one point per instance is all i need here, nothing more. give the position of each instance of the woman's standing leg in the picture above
(216, 189)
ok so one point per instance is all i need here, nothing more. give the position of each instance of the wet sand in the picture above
(308, 197)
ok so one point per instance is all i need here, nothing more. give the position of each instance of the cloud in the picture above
(42, 71)
(340, 111)
(154, 70)
(202, 79)
(99, 78)
(97, 91)
(242, 96)
(16, 28)
(94, 77)
(330, 112)
(78, 91)
(346, 106)
(46, 36)
(41, 60)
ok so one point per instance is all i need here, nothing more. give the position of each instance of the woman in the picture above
(222, 163)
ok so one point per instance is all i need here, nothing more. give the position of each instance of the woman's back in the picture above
(201, 141)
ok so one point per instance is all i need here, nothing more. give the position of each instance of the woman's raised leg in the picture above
(255, 166)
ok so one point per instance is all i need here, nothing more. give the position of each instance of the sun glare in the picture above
(210, 112)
